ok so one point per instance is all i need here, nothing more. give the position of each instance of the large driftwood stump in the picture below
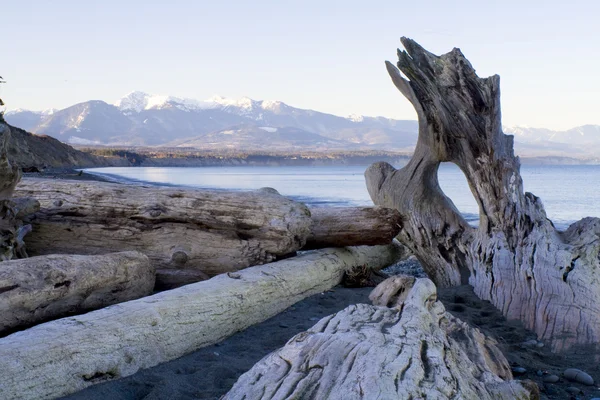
(38, 289)
(204, 231)
(67, 355)
(515, 258)
(369, 352)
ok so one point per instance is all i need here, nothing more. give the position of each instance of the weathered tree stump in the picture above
(67, 355)
(38, 289)
(369, 352)
(515, 258)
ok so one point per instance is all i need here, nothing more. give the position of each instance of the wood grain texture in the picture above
(366, 352)
(60, 357)
(38, 289)
(352, 226)
(209, 230)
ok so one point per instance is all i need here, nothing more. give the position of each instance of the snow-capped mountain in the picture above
(145, 119)
(581, 135)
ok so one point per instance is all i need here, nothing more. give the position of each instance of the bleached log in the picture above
(209, 230)
(515, 258)
(190, 229)
(368, 352)
(351, 226)
(63, 356)
(38, 289)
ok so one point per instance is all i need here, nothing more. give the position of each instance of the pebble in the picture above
(577, 375)
(539, 372)
(282, 325)
(540, 345)
(573, 390)
(314, 319)
(551, 379)
(519, 370)
(531, 342)
(550, 389)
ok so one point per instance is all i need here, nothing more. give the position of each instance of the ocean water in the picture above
(569, 193)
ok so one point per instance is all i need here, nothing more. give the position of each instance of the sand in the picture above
(210, 372)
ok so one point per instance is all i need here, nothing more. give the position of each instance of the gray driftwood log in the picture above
(38, 289)
(515, 258)
(351, 226)
(67, 355)
(188, 229)
(413, 351)
(208, 230)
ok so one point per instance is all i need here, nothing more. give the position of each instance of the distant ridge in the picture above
(142, 119)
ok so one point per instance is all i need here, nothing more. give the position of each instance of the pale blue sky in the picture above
(323, 55)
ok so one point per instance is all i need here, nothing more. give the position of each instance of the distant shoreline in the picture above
(177, 157)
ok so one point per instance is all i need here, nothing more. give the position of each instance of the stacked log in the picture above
(190, 234)
(67, 355)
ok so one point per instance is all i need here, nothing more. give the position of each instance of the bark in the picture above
(210, 231)
(369, 352)
(185, 229)
(63, 356)
(38, 289)
(173, 278)
(351, 226)
(515, 258)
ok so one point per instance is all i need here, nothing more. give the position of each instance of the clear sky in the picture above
(322, 55)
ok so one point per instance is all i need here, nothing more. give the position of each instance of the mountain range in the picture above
(141, 119)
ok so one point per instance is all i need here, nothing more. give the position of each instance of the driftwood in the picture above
(38, 289)
(212, 231)
(515, 258)
(415, 351)
(351, 226)
(63, 356)
(196, 230)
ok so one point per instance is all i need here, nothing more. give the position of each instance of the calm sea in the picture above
(569, 192)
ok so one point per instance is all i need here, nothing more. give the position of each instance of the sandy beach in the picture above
(211, 371)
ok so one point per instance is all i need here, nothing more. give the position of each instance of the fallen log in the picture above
(209, 230)
(38, 289)
(366, 352)
(63, 356)
(351, 226)
(190, 229)
(515, 258)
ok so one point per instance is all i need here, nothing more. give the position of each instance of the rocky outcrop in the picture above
(28, 150)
